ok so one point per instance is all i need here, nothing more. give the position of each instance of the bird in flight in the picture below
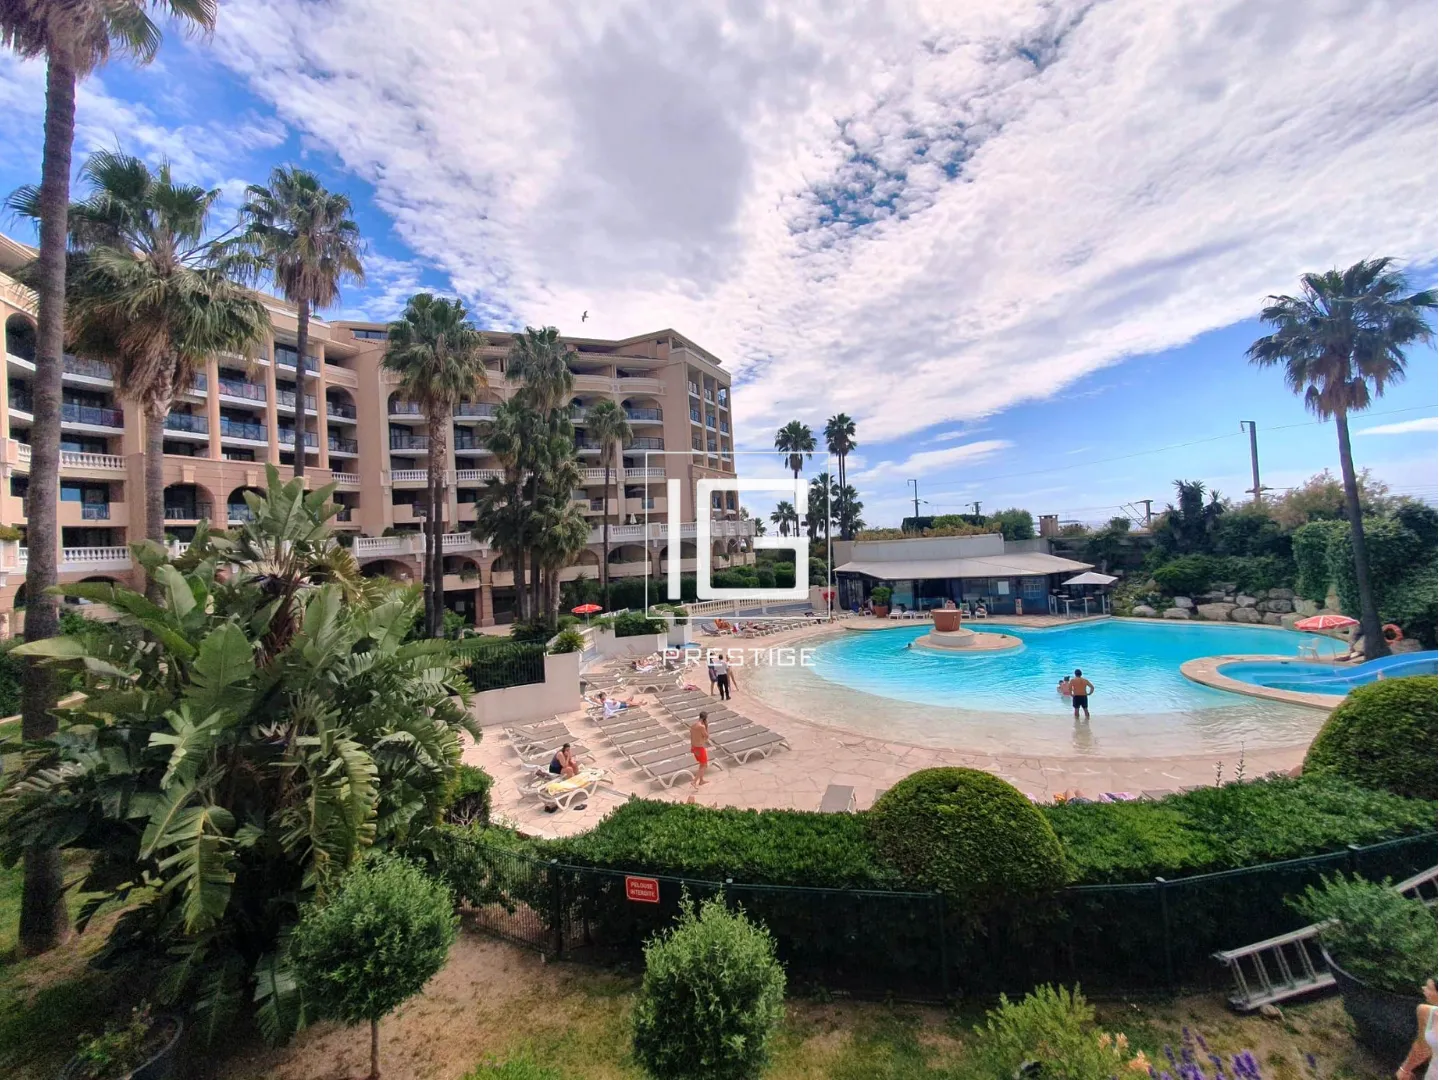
(585, 316)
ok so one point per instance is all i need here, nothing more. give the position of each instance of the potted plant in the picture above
(143, 1048)
(1380, 947)
(879, 601)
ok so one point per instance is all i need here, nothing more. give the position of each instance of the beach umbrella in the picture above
(586, 610)
(1325, 621)
(1090, 577)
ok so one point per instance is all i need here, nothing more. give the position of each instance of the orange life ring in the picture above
(1392, 633)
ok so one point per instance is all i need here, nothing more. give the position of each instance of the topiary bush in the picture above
(1375, 934)
(568, 641)
(1382, 736)
(969, 835)
(712, 998)
(373, 945)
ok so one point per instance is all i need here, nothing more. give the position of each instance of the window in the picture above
(81, 444)
(19, 486)
(84, 493)
(183, 449)
(1032, 588)
(695, 415)
(370, 335)
(239, 455)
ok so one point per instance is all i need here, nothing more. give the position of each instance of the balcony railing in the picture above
(286, 437)
(710, 421)
(724, 427)
(474, 408)
(478, 476)
(344, 514)
(94, 369)
(410, 476)
(405, 408)
(694, 390)
(235, 429)
(645, 414)
(344, 446)
(709, 394)
(199, 382)
(647, 443)
(286, 358)
(723, 398)
(92, 415)
(240, 512)
(199, 425)
(287, 399)
(337, 408)
(418, 509)
(345, 479)
(469, 444)
(247, 390)
(409, 442)
(22, 402)
(94, 511)
(694, 416)
(193, 512)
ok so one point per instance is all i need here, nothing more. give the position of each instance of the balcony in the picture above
(478, 476)
(409, 442)
(92, 416)
(344, 446)
(243, 391)
(639, 384)
(192, 512)
(694, 390)
(88, 369)
(724, 427)
(709, 395)
(647, 443)
(77, 560)
(236, 429)
(239, 512)
(94, 511)
(474, 410)
(345, 479)
(345, 513)
(286, 357)
(286, 400)
(339, 410)
(405, 513)
(710, 421)
(286, 437)
(646, 416)
(468, 445)
(195, 425)
(22, 401)
(405, 408)
(409, 477)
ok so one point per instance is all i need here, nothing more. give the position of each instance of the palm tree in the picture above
(563, 532)
(149, 293)
(75, 37)
(303, 238)
(795, 442)
(839, 441)
(1341, 344)
(847, 508)
(502, 514)
(823, 493)
(784, 516)
(608, 425)
(437, 352)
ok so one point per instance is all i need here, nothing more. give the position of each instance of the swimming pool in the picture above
(1007, 702)
(1311, 678)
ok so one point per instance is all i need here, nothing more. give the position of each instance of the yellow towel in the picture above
(579, 780)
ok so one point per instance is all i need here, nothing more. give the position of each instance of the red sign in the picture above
(642, 890)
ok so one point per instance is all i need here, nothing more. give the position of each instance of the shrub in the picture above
(1383, 736)
(1051, 1027)
(469, 797)
(374, 945)
(1377, 935)
(633, 624)
(567, 641)
(1394, 554)
(10, 534)
(879, 595)
(711, 1000)
(1311, 558)
(969, 835)
(1413, 605)
(529, 631)
(1186, 575)
(121, 1048)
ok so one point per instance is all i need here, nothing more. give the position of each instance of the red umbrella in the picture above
(1325, 621)
(586, 610)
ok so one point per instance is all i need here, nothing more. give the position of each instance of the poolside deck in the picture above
(1038, 622)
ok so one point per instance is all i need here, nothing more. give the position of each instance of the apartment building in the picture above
(357, 431)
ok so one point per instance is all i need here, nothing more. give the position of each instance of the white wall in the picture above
(640, 645)
(559, 693)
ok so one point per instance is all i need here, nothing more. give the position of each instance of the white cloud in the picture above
(927, 461)
(1403, 427)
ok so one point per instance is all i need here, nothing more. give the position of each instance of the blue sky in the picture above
(1021, 242)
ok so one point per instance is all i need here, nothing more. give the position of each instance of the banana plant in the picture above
(240, 743)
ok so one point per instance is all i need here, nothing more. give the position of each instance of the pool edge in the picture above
(1205, 671)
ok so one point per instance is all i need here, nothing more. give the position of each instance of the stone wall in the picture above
(1275, 607)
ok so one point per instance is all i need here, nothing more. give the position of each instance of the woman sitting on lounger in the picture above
(563, 764)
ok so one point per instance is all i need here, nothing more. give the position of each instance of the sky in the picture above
(1023, 243)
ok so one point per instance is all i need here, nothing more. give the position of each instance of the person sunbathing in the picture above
(610, 705)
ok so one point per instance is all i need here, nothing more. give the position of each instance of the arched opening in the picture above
(102, 579)
(20, 337)
(237, 510)
(189, 503)
(467, 569)
(387, 568)
(627, 553)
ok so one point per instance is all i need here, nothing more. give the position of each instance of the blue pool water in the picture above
(1311, 678)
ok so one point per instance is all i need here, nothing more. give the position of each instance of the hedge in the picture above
(1384, 736)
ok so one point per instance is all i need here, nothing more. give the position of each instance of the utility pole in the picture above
(1256, 490)
(915, 484)
(1148, 512)
(975, 504)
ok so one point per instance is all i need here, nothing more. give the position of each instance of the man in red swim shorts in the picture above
(699, 747)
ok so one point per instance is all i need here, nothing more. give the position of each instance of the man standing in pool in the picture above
(1080, 688)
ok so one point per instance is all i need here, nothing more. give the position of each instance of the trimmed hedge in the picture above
(969, 835)
(1384, 736)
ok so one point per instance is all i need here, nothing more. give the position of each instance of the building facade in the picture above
(355, 430)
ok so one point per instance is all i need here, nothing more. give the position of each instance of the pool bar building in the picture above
(1008, 577)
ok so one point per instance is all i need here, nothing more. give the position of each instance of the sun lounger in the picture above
(762, 744)
(1155, 794)
(838, 799)
(539, 757)
(672, 769)
(571, 793)
(639, 735)
(1117, 796)
(662, 752)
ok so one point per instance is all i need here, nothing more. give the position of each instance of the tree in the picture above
(823, 502)
(847, 511)
(303, 238)
(241, 743)
(374, 944)
(712, 997)
(502, 513)
(1186, 529)
(786, 517)
(1321, 498)
(438, 354)
(1012, 524)
(75, 37)
(1341, 344)
(610, 427)
(839, 440)
(148, 292)
(795, 442)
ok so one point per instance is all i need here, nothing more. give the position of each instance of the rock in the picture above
(1273, 618)
(1305, 608)
(1244, 614)
(1245, 601)
(1281, 594)
(1183, 602)
(1213, 598)
(1229, 588)
(1143, 611)
(1404, 645)
(1176, 613)
(1215, 612)
(1288, 621)
(1283, 607)
(1271, 1012)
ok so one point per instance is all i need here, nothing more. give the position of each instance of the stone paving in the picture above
(820, 755)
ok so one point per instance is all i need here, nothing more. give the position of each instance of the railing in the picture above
(710, 421)
(286, 358)
(343, 514)
(722, 396)
(193, 512)
(645, 414)
(287, 398)
(474, 408)
(84, 556)
(597, 504)
(239, 512)
(405, 408)
(247, 391)
(235, 429)
(366, 546)
(22, 402)
(480, 476)
(647, 443)
(657, 530)
(345, 479)
(724, 427)
(650, 473)
(409, 476)
(94, 369)
(198, 384)
(94, 511)
(694, 390)
(340, 409)
(417, 509)
(469, 444)
(344, 446)
(286, 437)
(409, 442)
(74, 459)
(461, 542)
(199, 425)
(92, 415)
(709, 394)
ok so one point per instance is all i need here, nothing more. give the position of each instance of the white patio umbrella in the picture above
(1089, 577)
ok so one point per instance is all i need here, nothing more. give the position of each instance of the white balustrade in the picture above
(644, 474)
(71, 459)
(85, 558)
(409, 476)
(345, 480)
(658, 530)
(461, 542)
(24, 450)
(472, 476)
(366, 546)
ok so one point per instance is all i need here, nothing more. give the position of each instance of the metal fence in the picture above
(505, 663)
(1157, 936)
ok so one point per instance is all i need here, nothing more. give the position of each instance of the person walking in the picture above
(1079, 690)
(699, 746)
(713, 673)
(722, 677)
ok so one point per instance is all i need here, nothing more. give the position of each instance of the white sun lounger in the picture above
(838, 799)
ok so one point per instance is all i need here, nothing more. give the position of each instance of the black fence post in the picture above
(557, 910)
(943, 948)
(1163, 888)
(1352, 862)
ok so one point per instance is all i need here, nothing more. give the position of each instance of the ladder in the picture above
(1286, 966)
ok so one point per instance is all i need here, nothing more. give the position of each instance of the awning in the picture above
(1018, 564)
(1091, 577)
